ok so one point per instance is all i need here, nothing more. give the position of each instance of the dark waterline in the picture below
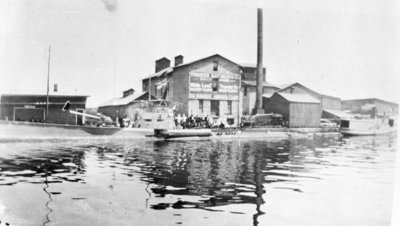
(311, 180)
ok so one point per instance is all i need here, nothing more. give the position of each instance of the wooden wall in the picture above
(304, 115)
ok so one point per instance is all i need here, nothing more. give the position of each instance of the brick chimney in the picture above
(162, 64)
(128, 92)
(178, 60)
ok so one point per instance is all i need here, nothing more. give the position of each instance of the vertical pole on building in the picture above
(149, 87)
(48, 80)
(258, 107)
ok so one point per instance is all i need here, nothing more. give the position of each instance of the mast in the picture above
(48, 80)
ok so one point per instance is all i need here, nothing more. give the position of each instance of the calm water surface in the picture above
(312, 180)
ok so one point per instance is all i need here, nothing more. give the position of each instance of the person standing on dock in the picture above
(183, 121)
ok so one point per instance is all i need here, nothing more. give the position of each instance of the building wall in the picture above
(386, 109)
(359, 106)
(304, 115)
(250, 73)
(200, 86)
(193, 82)
(294, 114)
(278, 105)
(331, 103)
(249, 100)
(179, 89)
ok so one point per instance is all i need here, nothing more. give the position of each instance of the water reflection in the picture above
(196, 175)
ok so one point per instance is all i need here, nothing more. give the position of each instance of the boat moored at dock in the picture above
(367, 127)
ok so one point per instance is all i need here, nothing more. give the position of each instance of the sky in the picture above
(345, 48)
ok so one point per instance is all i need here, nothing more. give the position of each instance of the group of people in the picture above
(195, 121)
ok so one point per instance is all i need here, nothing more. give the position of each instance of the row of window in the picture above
(215, 107)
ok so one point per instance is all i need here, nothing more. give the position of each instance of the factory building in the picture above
(298, 110)
(371, 106)
(33, 108)
(209, 86)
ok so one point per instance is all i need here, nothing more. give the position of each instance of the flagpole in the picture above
(48, 80)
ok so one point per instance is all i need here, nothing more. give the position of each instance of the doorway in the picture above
(215, 107)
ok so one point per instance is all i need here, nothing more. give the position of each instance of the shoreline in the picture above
(28, 131)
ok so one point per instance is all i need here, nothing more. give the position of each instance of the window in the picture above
(229, 107)
(215, 66)
(245, 91)
(201, 106)
(215, 108)
(215, 84)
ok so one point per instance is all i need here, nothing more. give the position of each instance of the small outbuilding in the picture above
(298, 110)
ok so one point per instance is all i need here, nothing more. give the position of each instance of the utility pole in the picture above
(48, 80)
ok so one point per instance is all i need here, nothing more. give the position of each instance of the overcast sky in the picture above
(345, 48)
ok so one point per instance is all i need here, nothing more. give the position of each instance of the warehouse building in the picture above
(327, 102)
(33, 107)
(371, 106)
(209, 86)
(298, 110)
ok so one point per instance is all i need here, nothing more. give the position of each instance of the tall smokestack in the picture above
(258, 106)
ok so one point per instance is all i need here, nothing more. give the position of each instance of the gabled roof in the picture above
(205, 58)
(125, 100)
(298, 98)
(171, 69)
(298, 84)
(306, 88)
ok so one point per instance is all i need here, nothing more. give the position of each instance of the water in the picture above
(312, 180)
